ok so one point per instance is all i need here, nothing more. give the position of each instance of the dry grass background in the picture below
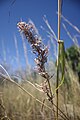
(19, 105)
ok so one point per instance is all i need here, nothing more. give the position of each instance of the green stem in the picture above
(57, 83)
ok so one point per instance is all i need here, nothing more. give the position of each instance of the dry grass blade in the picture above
(25, 53)
(17, 52)
(73, 26)
(49, 27)
(34, 86)
(70, 36)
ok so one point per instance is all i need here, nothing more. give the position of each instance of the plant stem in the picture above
(50, 88)
(57, 82)
(51, 96)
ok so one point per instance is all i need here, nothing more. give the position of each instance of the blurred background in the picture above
(17, 58)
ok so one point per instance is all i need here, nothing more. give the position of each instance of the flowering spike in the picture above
(33, 37)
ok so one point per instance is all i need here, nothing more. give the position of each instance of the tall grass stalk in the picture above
(17, 53)
(73, 26)
(26, 55)
(57, 80)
